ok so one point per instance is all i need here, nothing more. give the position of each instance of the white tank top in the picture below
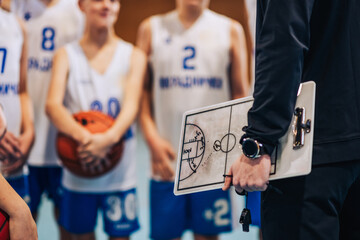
(89, 90)
(48, 29)
(190, 67)
(11, 43)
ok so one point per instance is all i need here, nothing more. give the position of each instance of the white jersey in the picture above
(89, 90)
(11, 43)
(48, 29)
(190, 67)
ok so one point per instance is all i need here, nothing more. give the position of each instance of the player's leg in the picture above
(167, 212)
(78, 214)
(54, 192)
(36, 187)
(307, 207)
(120, 214)
(53, 187)
(210, 214)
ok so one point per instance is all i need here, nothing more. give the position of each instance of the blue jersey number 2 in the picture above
(190, 56)
(4, 52)
(48, 42)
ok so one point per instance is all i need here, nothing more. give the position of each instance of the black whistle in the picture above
(245, 219)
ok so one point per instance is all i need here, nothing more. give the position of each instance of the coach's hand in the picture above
(162, 156)
(249, 174)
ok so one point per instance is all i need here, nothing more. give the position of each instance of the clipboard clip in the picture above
(300, 127)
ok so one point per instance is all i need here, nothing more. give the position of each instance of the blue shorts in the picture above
(254, 204)
(205, 213)
(44, 180)
(79, 212)
(21, 186)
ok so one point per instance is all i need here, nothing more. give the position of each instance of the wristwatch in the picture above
(252, 148)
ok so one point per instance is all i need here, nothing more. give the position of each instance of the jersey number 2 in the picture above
(4, 52)
(190, 56)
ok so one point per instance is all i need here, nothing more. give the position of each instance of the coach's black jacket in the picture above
(299, 41)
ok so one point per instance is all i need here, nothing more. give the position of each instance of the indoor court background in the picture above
(131, 14)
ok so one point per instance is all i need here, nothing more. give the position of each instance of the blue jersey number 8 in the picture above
(4, 51)
(192, 55)
(48, 42)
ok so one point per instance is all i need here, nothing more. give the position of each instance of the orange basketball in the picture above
(4, 226)
(94, 122)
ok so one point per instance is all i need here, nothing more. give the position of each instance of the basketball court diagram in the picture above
(209, 144)
(200, 147)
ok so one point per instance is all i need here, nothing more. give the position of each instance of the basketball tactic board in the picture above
(209, 143)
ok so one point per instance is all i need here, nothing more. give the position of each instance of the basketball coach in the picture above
(299, 41)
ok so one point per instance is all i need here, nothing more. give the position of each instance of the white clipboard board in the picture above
(209, 143)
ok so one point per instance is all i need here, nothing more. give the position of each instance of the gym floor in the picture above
(48, 231)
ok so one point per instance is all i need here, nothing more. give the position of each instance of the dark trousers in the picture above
(322, 205)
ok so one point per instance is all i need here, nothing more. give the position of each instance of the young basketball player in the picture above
(50, 24)
(16, 142)
(17, 133)
(197, 58)
(100, 72)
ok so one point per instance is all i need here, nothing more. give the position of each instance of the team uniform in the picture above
(11, 44)
(114, 193)
(48, 28)
(190, 70)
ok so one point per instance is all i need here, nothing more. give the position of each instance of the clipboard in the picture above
(209, 143)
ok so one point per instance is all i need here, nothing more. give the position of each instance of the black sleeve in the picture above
(282, 40)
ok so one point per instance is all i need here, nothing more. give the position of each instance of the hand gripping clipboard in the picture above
(209, 143)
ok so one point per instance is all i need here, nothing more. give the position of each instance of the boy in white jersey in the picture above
(50, 24)
(100, 72)
(16, 143)
(197, 58)
(22, 224)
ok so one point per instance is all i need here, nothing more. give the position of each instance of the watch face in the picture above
(250, 148)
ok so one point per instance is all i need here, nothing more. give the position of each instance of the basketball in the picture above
(4, 225)
(94, 122)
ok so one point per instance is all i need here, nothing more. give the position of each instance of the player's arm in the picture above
(22, 225)
(2, 122)
(146, 119)
(27, 123)
(132, 98)
(239, 64)
(161, 150)
(56, 111)
(6, 4)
